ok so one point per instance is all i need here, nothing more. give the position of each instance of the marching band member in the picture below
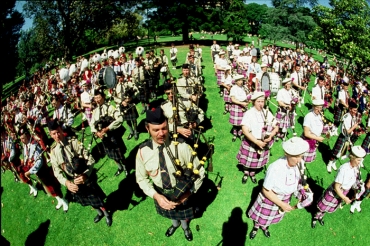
(347, 177)
(139, 80)
(195, 71)
(163, 59)
(86, 97)
(278, 65)
(34, 163)
(230, 49)
(240, 99)
(10, 157)
(341, 104)
(63, 114)
(356, 205)
(297, 78)
(227, 82)
(106, 124)
(286, 101)
(253, 69)
(259, 128)
(72, 166)
(215, 49)
(366, 143)
(186, 84)
(346, 137)
(236, 53)
(154, 174)
(221, 64)
(318, 92)
(129, 112)
(282, 180)
(173, 55)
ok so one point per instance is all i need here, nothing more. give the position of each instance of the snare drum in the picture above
(275, 82)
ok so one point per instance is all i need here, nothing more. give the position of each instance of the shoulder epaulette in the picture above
(165, 102)
(147, 143)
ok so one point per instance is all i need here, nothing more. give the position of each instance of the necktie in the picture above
(299, 80)
(121, 91)
(279, 67)
(322, 95)
(166, 180)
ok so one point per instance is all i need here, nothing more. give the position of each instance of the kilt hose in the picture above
(220, 73)
(338, 114)
(341, 140)
(88, 114)
(310, 155)
(236, 114)
(88, 195)
(264, 212)
(227, 98)
(366, 143)
(330, 201)
(114, 146)
(131, 114)
(249, 157)
(283, 119)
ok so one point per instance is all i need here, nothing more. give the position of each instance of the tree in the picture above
(63, 24)
(125, 29)
(236, 25)
(254, 15)
(345, 29)
(11, 24)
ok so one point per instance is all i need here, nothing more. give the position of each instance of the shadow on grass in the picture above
(325, 151)
(205, 196)
(255, 191)
(234, 231)
(38, 237)
(317, 189)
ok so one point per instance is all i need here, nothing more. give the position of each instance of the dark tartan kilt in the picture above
(219, 76)
(330, 201)
(365, 144)
(131, 114)
(338, 145)
(48, 181)
(236, 114)
(114, 146)
(88, 195)
(283, 120)
(143, 95)
(249, 157)
(337, 113)
(310, 154)
(183, 211)
(227, 97)
(265, 212)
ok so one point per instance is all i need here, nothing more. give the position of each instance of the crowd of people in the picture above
(106, 89)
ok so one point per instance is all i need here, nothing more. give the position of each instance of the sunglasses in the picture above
(168, 93)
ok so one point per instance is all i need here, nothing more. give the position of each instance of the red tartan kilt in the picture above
(249, 157)
(329, 201)
(236, 114)
(227, 97)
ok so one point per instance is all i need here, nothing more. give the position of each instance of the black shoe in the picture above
(170, 231)
(244, 179)
(136, 136)
(234, 139)
(130, 136)
(313, 224)
(253, 233)
(119, 171)
(253, 179)
(108, 219)
(188, 234)
(321, 221)
(16, 180)
(266, 233)
(225, 112)
(221, 94)
(98, 218)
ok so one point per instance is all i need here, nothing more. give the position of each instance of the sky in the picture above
(28, 22)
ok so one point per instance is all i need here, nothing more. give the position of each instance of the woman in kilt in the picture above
(281, 181)
(239, 98)
(227, 82)
(74, 172)
(348, 177)
(129, 113)
(341, 104)
(221, 64)
(259, 128)
(313, 128)
(285, 115)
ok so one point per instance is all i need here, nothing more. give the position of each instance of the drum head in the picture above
(265, 81)
(109, 78)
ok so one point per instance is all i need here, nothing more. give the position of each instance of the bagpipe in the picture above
(360, 128)
(78, 164)
(103, 122)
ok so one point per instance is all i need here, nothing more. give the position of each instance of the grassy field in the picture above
(34, 221)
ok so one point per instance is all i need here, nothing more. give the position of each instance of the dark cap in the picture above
(167, 86)
(185, 66)
(321, 77)
(137, 59)
(53, 125)
(23, 130)
(155, 116)
(99, 91)
(352, 104)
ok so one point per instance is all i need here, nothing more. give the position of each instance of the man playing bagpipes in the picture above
(35, 163)
(297, 79)
(259, 128)
(287, 102)
(186, 84)
(347, 137)
(10, 153)
(169, 173)
(129, 112)
(284, 178)
(72, 166)
(106, 124)
(348, 177)
(318, 92)
(341, 104)
(138, 77)
(63, 114)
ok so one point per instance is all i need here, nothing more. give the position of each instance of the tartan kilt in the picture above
(249, 157)
(182, 212)
(88, 114)
(88, 195)
(142, 96)
(265, 212)
(48, 181)
(338, 145)
(330, 201)
(283, 120)
(337, 114)
(236, 115)
(131, 114)
(114, 146)
(310, 154)
(220, 73)
(227, 97)
(365, 144)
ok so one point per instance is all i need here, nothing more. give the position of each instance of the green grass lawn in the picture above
(28, 220)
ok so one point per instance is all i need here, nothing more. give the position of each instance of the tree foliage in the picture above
(11, 24)
(345, 29)
(236, 25)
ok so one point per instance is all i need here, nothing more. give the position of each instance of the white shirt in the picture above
(318, 92)
(348, 122)
(254, 68)
(284, 96)
(280, 178)
(215, 47)
(255, 121)
(314, 122)
(342, 95)
(239, 93)
(346, 176)
(297, 78)
(227, 80)
(236, 53)
(221, 62)
(265, 59)
(85, 97)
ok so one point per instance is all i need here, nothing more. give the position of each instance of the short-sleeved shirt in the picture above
(346, 176)
(314, 122)
(238, 92)
(255, 121)
(284, 96)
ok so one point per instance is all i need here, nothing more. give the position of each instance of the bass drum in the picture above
(275, 82)
(101, 76)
